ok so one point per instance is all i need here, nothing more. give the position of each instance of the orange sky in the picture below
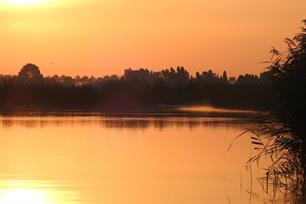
(99, 37)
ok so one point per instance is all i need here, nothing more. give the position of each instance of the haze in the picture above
(100, 37)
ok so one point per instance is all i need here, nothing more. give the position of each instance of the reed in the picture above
(281, 134)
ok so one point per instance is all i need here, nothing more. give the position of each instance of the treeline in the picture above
(134, 87)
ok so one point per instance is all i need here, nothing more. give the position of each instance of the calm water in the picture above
(125, 160)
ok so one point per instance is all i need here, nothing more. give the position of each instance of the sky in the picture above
(103, 37)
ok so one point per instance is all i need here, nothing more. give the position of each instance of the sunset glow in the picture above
(152, 101)
(95, 37)
(27, 2)
(21, 192)
(33, 192)
(21, 196)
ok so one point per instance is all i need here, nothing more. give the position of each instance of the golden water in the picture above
(125, 160)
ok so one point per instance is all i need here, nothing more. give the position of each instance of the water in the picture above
(96, 159)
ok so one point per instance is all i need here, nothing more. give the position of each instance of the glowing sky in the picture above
(98, 37)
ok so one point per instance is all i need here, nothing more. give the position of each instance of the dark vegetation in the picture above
(282, 136)
(136, 87)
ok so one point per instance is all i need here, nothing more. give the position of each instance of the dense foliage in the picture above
(135, 87)
(285, 128)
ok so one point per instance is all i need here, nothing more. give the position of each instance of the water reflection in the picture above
(209, 109)
(124, 160)
(122, 122)
(34, 192)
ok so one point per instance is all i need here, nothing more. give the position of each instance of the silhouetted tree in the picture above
(30, 73)
(232, 80)
(224, 77)
(142, 86)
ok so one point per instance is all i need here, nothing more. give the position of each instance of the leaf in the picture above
(257, 143)
(254, 138)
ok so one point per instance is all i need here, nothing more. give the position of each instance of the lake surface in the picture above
(127, 159)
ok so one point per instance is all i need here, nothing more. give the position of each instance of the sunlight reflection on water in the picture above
(125, 160)
(34, 192)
